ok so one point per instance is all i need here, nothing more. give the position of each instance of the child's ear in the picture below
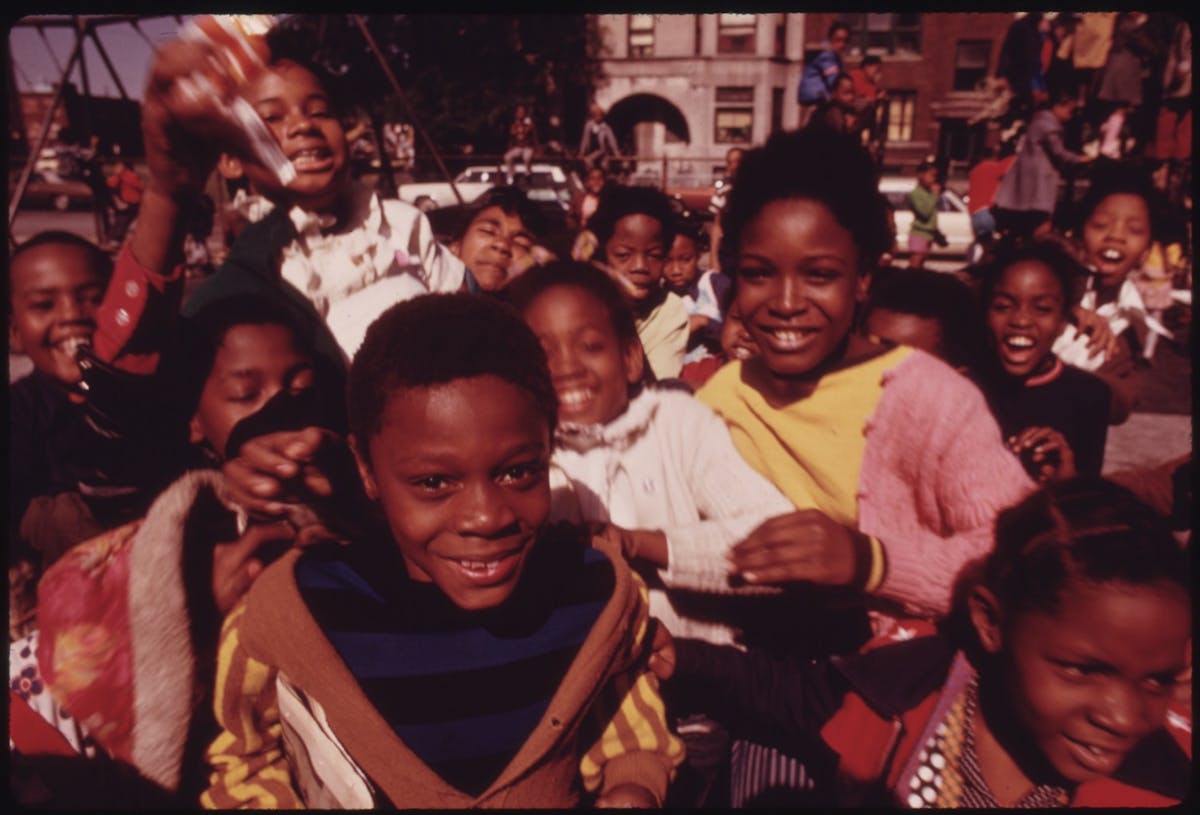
(364, 469)
(195, 430)
(985, 613)
(14, 338)
(862, 286)
(635, 361)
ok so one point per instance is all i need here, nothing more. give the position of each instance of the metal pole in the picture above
(437, 157)
(23, 181)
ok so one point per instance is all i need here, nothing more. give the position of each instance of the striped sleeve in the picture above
(249, 768)
(636, 745)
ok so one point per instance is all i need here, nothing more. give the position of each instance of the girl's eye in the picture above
(1160, 685)
(753, 273)
(822, 275)
(243, 398)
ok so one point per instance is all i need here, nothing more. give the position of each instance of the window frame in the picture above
(640, 50)
(736, 36)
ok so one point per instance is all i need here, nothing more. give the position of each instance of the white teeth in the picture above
(71, 345)
(1111, 255)
(480, 568)
(1019, 342)
(789, 339)
(573, 399)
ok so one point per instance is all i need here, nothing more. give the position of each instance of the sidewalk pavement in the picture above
(1147, 439)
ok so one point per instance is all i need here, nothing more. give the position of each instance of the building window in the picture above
(902, 111)
(884, 33)
(641, 35)
(699, 32)
(735, 33)
(971, 58)
(743, 95)
(733, 125)
(781, 36)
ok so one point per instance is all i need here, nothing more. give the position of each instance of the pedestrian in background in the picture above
(816, 83)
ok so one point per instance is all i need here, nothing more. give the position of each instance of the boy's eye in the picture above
(619, 257)
(431, 483)
(522, 475)
(242, 397)
(41, 305)
(822, 275)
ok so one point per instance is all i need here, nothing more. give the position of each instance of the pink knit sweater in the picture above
(935, 474)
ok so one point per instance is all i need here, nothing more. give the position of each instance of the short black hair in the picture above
(530, 285)
(512, 201)
(619, 201)
(100, 261)
(871, 59)
(1109, 177)
(1050, 253)
(1080, 528)
(689, 226)
(936, 296)
(819, 164)
(435, 339)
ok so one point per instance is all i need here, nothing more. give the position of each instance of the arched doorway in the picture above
(644, 122)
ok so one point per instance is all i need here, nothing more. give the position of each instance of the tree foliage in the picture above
(462, 74)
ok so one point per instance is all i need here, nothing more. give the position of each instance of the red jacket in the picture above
(896, 684)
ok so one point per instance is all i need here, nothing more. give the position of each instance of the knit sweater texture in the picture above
(934, 474)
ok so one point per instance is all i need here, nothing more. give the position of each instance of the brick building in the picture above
(683, 88)
(932, 63)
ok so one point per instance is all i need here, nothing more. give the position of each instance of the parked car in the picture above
(547, 183)
(46, 191)
(953, 218)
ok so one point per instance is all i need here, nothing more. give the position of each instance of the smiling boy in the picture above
(463, 654)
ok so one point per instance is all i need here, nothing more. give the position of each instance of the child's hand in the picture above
(1044, 453)
(806, 545)
(662, 657)
(183, 130)
(1101, 339)
(647, 544)
(275, 472)
(235, 564)
(627, 796)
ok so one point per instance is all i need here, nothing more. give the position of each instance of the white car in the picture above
(953, 218)
(548, 182)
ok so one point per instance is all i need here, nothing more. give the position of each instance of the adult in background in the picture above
(1025, 201)
(822, 71)
(598, 143)
(522, 141)
(1020, 64)
(870, 100)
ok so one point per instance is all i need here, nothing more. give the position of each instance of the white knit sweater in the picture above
(667, 463)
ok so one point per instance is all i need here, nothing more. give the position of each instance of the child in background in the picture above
(125, 199)
(56, 280)
(923, 201)
(151, 593)
(331, 249)
(1116, 228)
(498, 240)
(1054, 416)
(516, 674)
(702, 292)
(634, 229)
(593, 185)
(1057, 693)
(932, 311)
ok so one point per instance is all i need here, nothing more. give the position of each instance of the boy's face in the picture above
(682, 264)
(843, 93)
(1087, 683)
(636, 253)
(493, 245)
(1116, 237)
(595, 180)
(55, 293)
(253, 363)
(298, 112)
(461, 472)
